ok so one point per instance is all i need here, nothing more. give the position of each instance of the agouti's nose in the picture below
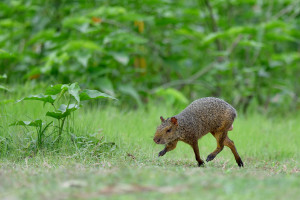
(156, 141)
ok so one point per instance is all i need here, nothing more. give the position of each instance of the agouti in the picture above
(202, 116)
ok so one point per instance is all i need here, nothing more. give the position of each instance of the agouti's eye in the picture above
(169, 130)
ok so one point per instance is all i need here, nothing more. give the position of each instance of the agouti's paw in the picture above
(200, 164)
(240, 163)
(210, 157)
(163, 152)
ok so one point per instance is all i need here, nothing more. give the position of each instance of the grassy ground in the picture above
(269, 147)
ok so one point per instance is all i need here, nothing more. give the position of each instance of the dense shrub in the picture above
(244, 51)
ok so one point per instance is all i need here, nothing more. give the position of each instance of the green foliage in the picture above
(3, 76)
(172, 96)
(35, 123)
(63, 111)
(72, 94)
(247, 51)
(41, 129)
(2, 87)
(40, 97)
(93, 94)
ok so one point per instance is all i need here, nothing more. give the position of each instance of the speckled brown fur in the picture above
(199, 118)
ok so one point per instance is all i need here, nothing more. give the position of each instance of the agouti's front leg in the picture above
(197, 154)
(169, 147)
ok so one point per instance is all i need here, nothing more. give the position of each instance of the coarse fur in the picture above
(202, 116)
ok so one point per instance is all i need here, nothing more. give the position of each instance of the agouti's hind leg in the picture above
(230, 144)
(197, 154)
(169, 147)
(220, 137)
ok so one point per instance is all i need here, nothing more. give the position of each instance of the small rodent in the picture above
(202, 116)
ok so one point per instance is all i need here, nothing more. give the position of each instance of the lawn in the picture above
(130, 169)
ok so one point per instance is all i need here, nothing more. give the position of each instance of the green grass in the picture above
(269, 147)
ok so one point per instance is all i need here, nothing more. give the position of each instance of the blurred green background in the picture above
(245, 51)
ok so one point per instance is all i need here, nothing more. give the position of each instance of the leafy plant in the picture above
(243, 51)
(54, 95)
(40, 129)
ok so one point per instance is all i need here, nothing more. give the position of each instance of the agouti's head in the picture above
(166, 132)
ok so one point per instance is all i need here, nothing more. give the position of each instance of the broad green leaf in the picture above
(56, 89)
(76, 45)
(274, 25)
(251, 43)
(119, 14)
(83, 57)
(93, 94)
(105, 85)
(4, 76)
(43, 36)
(241, 29)
(35, 123)
(287, 57)
(172, 94)
(212, 37)
(54, 58)
(53, 89)
(279, 36)
(40, 97)
(129, 90)
(65, 87)
(230, 32)
(74, 22)
(63, 111)
(3, 88)
(118, 37)
(133, 16)
(5, 54)
(109, 11)
(121, 58)
(64, 108)
(74, 91)
(189, 33)
(10, 23)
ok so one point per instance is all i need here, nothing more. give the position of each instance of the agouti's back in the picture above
(205, 115)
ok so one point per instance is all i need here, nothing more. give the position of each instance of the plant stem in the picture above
(61, 128)
(53, 106)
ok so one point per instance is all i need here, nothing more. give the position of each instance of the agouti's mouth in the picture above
(157, 140)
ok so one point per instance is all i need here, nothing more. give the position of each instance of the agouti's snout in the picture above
(156, 140)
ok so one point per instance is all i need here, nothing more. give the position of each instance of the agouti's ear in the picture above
(162, 119)
(174, 121)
